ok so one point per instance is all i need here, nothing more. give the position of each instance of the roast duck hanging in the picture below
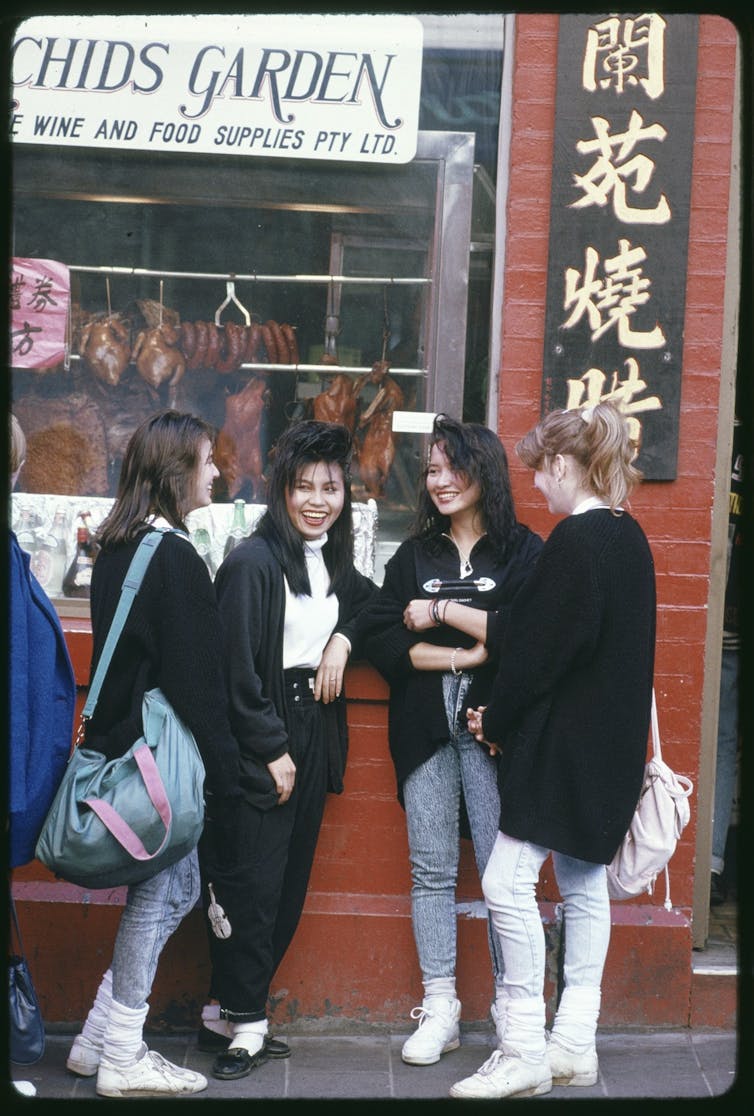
(238, 450)
(158, 357)
(375, 442)
(337, 402)
(106, 349)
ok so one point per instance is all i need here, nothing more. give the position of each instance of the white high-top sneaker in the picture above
(437, 1033)
(504, 1075)
(84, 1057)
(569, 1068)
(571, 1044)
(151, 1076)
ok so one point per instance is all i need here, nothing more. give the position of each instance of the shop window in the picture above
(366, 286)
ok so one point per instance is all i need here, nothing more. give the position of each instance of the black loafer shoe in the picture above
(237, 1062)
(210, 1041)
(276, 1047)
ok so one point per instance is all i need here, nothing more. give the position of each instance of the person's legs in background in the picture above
(725, 769)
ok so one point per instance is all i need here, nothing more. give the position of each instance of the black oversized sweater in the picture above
(571, 701)
(250, 591)
(417, 722)
(171, 639)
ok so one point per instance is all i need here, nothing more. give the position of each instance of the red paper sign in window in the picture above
(39, 299)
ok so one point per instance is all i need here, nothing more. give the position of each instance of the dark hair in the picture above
(307, 443)
(476, 452)
(159, 466)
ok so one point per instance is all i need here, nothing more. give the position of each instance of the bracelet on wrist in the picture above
(434, 612)
(453, 661)
(446, 603)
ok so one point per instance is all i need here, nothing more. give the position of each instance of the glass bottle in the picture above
(41, 564)
(78, 579)
(203, 545)
(238, 529)
(25, 533)
(59, 534)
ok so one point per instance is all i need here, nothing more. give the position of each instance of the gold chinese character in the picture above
(623, 53)
(612, 300)
(606, 176)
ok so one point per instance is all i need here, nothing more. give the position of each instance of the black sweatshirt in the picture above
(572, 698)
(417, 723)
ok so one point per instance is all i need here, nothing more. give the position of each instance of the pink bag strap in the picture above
(119, 828)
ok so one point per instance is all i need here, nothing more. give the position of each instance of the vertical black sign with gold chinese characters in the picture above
(616, 283)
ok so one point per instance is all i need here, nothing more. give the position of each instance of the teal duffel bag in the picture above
(120, 821)
(116, 822)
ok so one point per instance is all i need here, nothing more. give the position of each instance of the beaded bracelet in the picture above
(453, 661)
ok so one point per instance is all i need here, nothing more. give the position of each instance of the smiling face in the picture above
(450, 491)
(316, 499)
(200, 494)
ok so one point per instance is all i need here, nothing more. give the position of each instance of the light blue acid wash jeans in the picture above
(432, 795)
(509, 884)
(153, 910)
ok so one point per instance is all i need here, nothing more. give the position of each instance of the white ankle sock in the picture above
(441, 987)
(249, 1036)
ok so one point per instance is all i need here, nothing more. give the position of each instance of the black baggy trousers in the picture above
(263, 893)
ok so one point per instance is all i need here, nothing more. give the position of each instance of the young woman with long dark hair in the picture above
(171, 639)
(432, 633)
(289, 596)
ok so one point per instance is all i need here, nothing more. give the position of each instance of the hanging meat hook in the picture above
(230, 296)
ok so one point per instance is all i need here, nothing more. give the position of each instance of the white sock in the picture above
(440, 988)
(525, 1029)
(122, 1044)
(249, 1036)
(96, 1020)
(575, 1023)
(212, 1021)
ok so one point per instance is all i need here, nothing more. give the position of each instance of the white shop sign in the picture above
(333, 87)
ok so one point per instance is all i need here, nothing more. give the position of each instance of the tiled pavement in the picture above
(678, 1064)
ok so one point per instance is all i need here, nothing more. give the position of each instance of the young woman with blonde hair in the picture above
(569, 714)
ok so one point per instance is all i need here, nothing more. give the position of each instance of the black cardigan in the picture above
(251, 596)
(572, 698)
(417, 723)
(172, 639)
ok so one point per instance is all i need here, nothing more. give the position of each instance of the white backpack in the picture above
(660, 817)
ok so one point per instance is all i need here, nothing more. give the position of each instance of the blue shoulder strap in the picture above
(133, 579)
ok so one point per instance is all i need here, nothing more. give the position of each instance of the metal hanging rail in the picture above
(253, 277)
